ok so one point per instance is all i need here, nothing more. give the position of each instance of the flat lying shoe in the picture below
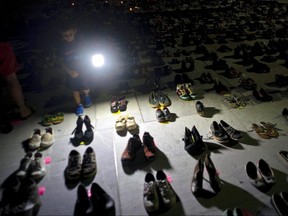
(262, 132)
(270, 129)
(266, 172)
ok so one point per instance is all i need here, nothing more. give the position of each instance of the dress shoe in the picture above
(197, 179)
(213, 176)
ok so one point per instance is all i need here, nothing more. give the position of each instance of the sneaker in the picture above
(130, 123)
(89, 167)
(58, 118)
(47, 120)
(200, 108)
(164, 100)
(74, 167)
(218, 133)
(24, 165)
(79, 110)
(133, 145)
(47, 138)
(89, 133)
(232, 133)
(266, 172)
(88, 101)
(78, 133)
(37, 168)
(190, 91)
(160, 116)
(254, 175)
(166, 191)
(35, 140)
(182, 93)
(150, 196)
(149, 146)
(153, 100)
(120, 124)
(167, 114)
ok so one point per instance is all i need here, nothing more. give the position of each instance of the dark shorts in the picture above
(8, 61)
(79, 83)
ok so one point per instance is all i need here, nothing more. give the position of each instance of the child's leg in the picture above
(77, 97)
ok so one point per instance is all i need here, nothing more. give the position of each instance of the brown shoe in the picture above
(197, 179)
(133, 145)
(149, 146)
(261, 131)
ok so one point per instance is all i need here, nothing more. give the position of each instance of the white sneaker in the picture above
(120, 124)
(37, 166)
(47, 138)
(166, 191)
(151, 201)
(35, 140)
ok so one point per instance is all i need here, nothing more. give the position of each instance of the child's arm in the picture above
(71, 72)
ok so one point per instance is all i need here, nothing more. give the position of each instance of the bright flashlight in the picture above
(98, 60)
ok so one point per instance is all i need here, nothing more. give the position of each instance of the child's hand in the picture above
(74, 74)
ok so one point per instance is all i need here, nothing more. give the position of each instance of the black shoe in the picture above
(232, 133)
(188, 141)
(285, 113)
(213, 176)
(218, 133)
(89, 166)
(279, 204)
(83, 205)
(89, 134)
(200, 146)
(103, 203)
(200, 108)
(197, 179)
(160, 116)
(266, 172)
(254, 175)
(258, 96)
(78, 133)
(265, 95)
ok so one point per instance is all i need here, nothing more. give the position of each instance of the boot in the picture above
(212, 172)
(197, 179)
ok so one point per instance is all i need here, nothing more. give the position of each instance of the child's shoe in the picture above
(80, 110)
(88, 101)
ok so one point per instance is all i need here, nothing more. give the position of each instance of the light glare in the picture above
(98, 60)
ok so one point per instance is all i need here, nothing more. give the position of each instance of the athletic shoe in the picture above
(47, 138)
(37, 168)
(133, 145)
(89, 167)
(182, 93)
(232, 133)
(200, 108)
(266, 172)
(164, 100)
(160, 116)
(149, 146)
(167, 114)
(24, 165)
(78, 133)
(254, 175)
(35, 140)
(88, 101)
(79, 110)
(150, 196)
(189, 89)
(74, 167)
(89, 133)
(153, 100)
(218, 133)
(167, 193)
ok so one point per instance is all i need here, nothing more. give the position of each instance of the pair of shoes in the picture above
(48, 120)
(206, 78)
(223, 132)
(220, 88)
(79, 136)
(280, 202)
(200, 108)
(79, 110)
(151, 188)
(265, 130)
(125, 122)
(197, 179)
(134, 144)
(185, 91)
(235, 102)
(87, 100)
(285, 113)
(158, 99)
(163, 115)
(193, 142)
(32, 167)
(248, 84)
(233, 212)
(77, 169)
(20, 197)
(41, 140)
(118, 104)
(99, 203)
(260, 175)
(262, 95)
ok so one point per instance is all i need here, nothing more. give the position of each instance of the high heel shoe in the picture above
(213, 176)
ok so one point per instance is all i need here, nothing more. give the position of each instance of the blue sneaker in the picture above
(80, 110)
(88, 102)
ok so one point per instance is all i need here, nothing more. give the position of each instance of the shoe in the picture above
(79, 110)
(164, 100)
(47, 138)
(133, 145)
(254, 175)
(237, 212)
(167, 114)
(37, 168)
(265, 95)
(266, 172)
(74, 167)
(167, 193)
(120, 124)
(212, 172)
(83, 205)
(218, 133)
(232, 133)
(189, 143)
(221, 89)
(199, 146)
(153, 100)
(122, 104)
(114, 105)
(182, 93)
(89, 167)
(228, 212)
(200, 108)
(58, 118)
(203, 78)
(197, 179)
(284, 155)
(285, 113)
(78, 132)
(284, 196)
(103, 203)
(150, 196)
(261, 131)
(279, 204)
(270, 129)
(189, 89)
(149, 146)
(88, 101)
(35, 140)
(24, 165)
(48, 120)
(160, 116)
(89, 133)
(131, 123)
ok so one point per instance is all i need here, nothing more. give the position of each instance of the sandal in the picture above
(270, 129)
(261, 131)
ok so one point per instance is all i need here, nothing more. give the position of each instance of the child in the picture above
(71, 53)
